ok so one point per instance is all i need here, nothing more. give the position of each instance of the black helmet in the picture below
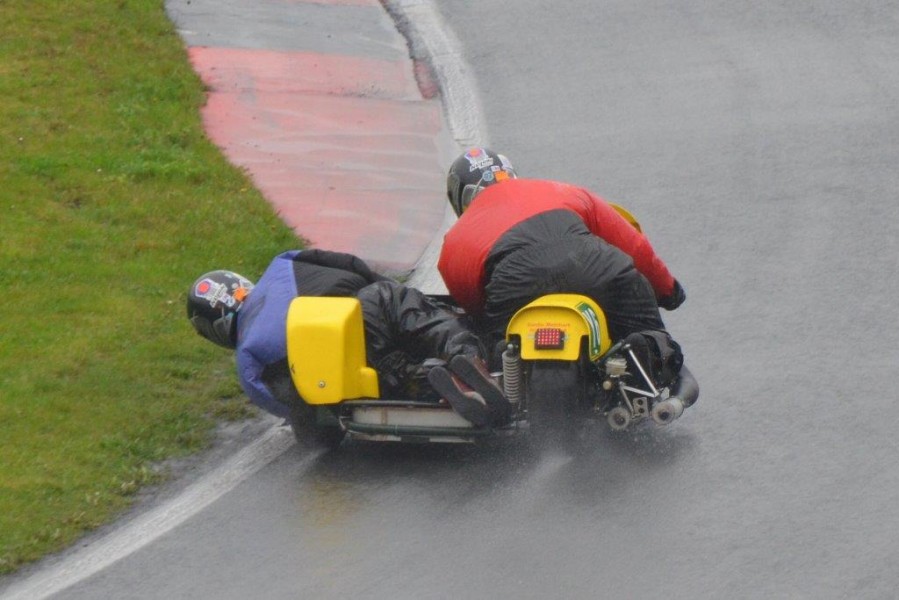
(213, 301)
(472, 172)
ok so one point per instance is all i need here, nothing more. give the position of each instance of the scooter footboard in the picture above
(326, 350)
(406, 421)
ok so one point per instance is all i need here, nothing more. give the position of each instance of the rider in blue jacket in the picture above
(405, 331)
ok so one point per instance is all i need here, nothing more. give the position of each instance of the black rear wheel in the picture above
(554, 393)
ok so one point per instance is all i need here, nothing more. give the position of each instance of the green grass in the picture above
(112, 202)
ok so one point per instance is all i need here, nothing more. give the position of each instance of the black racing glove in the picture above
(675, 298)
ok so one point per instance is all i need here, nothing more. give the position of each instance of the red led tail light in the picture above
(549, 339)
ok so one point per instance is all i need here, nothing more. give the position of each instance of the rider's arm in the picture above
(249, 371)
(604, 221)
(261, 336)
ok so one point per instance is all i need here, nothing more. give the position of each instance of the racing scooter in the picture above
(559, 369)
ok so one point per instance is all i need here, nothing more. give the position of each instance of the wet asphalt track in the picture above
(759, 144)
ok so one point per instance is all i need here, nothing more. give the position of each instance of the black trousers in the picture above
(406, 333)
(587, 265)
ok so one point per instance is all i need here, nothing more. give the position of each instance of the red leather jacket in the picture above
(500, 207)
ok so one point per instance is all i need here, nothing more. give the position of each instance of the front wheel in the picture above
(554, 393)
(313, 429)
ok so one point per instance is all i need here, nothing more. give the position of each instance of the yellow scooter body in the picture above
(574, 315)
(326, 350)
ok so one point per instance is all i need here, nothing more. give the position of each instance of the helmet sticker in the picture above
(214, 293)
(493, 174)
(478, 159)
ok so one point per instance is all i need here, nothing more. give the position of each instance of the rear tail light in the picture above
(549, 339)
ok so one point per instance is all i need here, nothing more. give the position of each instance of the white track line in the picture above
(461, 105)
(151, 525)
(458, 90)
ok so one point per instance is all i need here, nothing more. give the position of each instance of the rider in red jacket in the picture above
(518, 239)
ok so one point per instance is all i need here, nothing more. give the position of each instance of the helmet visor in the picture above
(217, 331)
(468, 194)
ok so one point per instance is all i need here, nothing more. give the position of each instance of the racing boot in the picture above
(464, 400)
(640, 347)
(474, 373)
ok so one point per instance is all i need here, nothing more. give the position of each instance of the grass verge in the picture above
(112, 202)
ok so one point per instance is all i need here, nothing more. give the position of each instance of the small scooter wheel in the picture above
(618, 418)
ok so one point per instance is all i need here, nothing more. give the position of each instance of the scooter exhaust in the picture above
(683, 394)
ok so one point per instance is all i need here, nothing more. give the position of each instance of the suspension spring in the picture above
(512, 374)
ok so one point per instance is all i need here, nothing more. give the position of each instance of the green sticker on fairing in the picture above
(593, 323)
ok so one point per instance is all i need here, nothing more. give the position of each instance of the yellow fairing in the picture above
(326, 350)
(577, 316)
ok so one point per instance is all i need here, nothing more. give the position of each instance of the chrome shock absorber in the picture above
(512, 374)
